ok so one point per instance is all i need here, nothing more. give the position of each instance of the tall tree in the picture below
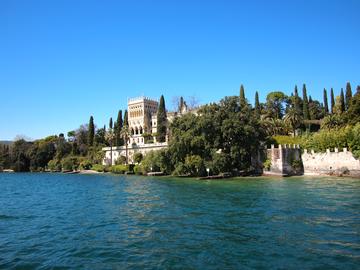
(126, 120)
(306, 113)
(294, 119)
(332, 100)
(111, 123)
(342, 101)
(296, 99)
(161, 121)
(326, 106)
(257, 105)
(243, 102)
(91, 131)
(348, 96)
(119, 125)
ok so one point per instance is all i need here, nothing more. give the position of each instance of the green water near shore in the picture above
(129, 222)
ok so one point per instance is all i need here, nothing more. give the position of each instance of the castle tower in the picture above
(141, 110)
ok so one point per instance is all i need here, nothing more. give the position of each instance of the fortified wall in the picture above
(328, 163)
(288, 160)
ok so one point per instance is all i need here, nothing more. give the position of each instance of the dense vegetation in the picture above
(223, 137)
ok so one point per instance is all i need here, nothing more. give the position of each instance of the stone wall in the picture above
(328, 163)
(132, 149)
(286, 159)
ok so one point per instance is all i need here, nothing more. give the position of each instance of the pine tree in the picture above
(91, 131)
(306, 113)
(161, 121)
(243, 102)
(326, 102)
(332, 100)
(342, 101)
(348, 96)
(257, 105)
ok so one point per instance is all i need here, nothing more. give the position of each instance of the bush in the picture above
(85, 164)
(267, 164)
(119, 169)
(98, 168)
(283, 139)
(54, 165)
(70, 163)
(120, 161)
(138, 157)
(138, 170)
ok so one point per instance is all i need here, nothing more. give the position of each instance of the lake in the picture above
(116, 222)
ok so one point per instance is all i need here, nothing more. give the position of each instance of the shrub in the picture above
(267, 164)
(119, 169)
(283, 139)
(98, 168)
(54, 165)
(138, 170)
(70, 164)
(85, 164)
(138, 157)
(120, 161)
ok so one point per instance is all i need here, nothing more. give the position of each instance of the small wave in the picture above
(4, 217)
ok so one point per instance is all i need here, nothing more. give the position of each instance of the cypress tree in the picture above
(126, 120)
(111, 123)
(348, 96)
(242, 97)
(342, 101)
(358, 89)
(161, 121)
(91, 131)
(119, 125)
(305, 104)
(332, 100)
(257, 105)
(326, 107)
(296, 99)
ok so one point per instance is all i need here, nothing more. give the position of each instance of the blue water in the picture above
(55, 221)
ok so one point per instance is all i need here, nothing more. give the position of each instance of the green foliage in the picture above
(257, 105)
(342, 101)
(20, 160)
(326, 106)
(120, 161)
(85, 164)
(91, 131)
(353, 113)
(138, 170)
(348, 137)
(332, 101)
(243, 103)
(138, 157)
(161, 121)
(332, 121)
(281, 139)
(98, 167)
(119, 169)
(70, 163)
(275, 104)
(267, 164)
(348, 96)
(306, 113)
(54, 165)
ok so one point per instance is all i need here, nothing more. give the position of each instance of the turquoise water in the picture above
(115, 222)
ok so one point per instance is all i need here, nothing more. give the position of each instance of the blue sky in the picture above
(62, 61)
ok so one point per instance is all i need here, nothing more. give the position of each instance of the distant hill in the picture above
(6, 142)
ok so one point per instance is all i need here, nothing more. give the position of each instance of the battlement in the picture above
(140, 99)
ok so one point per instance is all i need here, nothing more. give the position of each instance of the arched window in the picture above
(132, 131)
(136, 131)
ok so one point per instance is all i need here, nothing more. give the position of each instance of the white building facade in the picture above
(142, 119)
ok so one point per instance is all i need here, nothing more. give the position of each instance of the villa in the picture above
(142, 119)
